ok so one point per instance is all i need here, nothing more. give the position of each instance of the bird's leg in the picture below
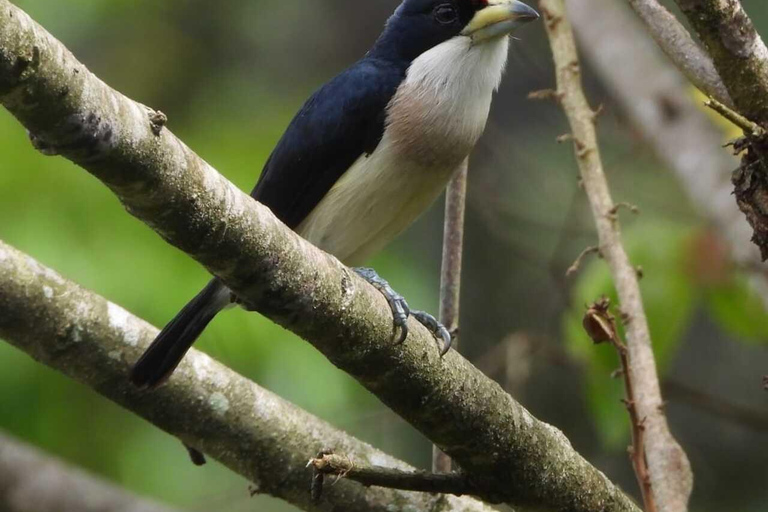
(401, 311)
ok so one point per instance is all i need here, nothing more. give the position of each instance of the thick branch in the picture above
(739, 54)
(509, 455)
(670, 471)
(209, 407)
(673, 38)
(33, 482)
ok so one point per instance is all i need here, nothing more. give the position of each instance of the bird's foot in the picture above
(401, 311)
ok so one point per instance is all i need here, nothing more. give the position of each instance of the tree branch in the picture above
(33, 482)
(250, 430)
(679, 46)
(508, 454)
(600, 325)
(671, 477)
(739, 54)
(450, 278)
(420, 481)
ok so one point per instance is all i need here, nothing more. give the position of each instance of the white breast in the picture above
(433, 122)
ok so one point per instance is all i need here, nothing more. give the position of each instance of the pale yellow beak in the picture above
(500, 18)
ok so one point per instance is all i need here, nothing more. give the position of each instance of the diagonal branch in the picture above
(31, 481)
(508, 454)
(250, 430)
(739, 54)
(671, 477)
(673, 38)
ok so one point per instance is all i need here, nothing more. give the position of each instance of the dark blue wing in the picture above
(343, 120)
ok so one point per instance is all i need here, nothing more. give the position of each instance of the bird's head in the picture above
(419, 25)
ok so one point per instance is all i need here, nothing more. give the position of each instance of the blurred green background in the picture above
(230, 75)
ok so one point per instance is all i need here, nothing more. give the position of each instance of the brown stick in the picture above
(420, 481)
(450, 278)
(671, 476)
(600, 324)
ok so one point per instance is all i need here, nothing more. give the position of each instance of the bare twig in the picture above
(31, 481)
(450, 278)
(671, 477)
(600, 324)
(673, 38)
(580, 260)
(420, 481)
(749, 127)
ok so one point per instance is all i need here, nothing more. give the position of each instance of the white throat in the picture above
(461, 67)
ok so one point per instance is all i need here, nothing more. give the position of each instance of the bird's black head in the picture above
(419, 25)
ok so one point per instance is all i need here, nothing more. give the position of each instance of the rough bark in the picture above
(739, 54)
(670, 472)
(31, 481)
(508, 454)
(209, 407)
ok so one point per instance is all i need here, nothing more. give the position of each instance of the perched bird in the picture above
(372, 149)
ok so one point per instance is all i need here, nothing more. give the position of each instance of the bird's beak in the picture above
(499, 18)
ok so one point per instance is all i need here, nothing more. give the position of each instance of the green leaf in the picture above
(738, 310)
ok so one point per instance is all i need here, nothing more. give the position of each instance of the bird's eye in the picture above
(445, 14)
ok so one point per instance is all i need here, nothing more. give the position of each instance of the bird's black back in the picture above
(342, 121)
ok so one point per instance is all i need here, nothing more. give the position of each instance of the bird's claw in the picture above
(436, 328)
(401, 311)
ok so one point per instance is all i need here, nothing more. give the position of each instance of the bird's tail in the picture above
(168, 349)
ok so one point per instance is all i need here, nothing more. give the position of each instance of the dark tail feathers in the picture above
(168, 349)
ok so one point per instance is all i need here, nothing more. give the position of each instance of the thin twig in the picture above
(450, 278)
(580, 260)
(420, 481)
(749, 127)
(669, 467)
(600, 324)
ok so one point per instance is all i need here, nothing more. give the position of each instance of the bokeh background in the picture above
(230, 75)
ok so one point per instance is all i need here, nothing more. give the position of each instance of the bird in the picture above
(371, 150)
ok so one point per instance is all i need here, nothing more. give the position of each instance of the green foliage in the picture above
(669, 298)
(738, 311)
